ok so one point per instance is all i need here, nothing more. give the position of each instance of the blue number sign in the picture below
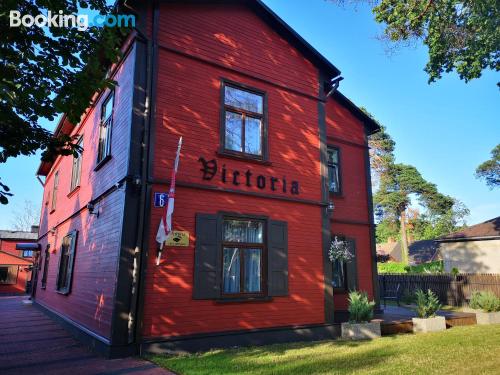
(160, 199)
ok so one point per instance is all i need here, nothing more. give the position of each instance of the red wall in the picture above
(9, 246)
(91, 300)
(188, 104)
(351, 214)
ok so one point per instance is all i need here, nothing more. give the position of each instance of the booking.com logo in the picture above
(80, 21)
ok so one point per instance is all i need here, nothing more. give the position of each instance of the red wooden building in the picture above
(274, 164)
(16, 265)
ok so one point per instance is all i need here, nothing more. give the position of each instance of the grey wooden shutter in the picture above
(206, 257)
(352, 266)
(71, 260)
(277, 265)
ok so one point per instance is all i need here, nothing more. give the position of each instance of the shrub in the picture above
(360, 308)
(486, 301)
(427, 303)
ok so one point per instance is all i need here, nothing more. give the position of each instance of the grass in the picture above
(464, 350)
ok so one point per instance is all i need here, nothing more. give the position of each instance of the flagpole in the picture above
(165, 227)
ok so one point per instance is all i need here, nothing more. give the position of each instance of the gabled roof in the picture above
(487, 230)
(17, 235)
(12, 260)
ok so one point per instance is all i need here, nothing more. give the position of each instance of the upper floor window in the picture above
(27, 253)
(242, 253)
(334, 170)
(54, 191)
(77, 167)
(244, 120)
(66, 262)
(104, 148)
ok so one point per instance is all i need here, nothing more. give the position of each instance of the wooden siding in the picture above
(90, 302)
(351, 214)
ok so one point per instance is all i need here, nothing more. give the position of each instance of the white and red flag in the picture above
(165, 227)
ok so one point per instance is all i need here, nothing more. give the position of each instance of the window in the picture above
(45, 267)
(8, 275)
(54, 190)
(240, 257)
(104, 147)
(334, 170)
(339, 279)
(243, 122)
(243, 254)
(27, 253)
(66, 262)
(77, 167)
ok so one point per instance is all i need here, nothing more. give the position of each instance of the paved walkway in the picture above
(33, 343)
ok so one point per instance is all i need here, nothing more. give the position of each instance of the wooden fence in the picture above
(451, 290)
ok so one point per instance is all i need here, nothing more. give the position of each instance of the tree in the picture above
(461, 35)
(397, 186)
(428, 226)
(28, 216)
(490, 169)
(48, 71)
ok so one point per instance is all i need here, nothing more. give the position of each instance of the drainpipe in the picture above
(335, 85)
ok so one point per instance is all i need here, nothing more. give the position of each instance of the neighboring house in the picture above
(423, 251)
(271, 169)
(475, 249)
(15, 265)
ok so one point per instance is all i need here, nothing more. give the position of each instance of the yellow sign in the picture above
(178, 238)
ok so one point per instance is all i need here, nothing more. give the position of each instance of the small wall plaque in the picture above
(178, 238)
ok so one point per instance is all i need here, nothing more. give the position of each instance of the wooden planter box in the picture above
(437, 323)
(361, 331)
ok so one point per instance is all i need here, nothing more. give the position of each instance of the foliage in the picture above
(427, 303)
(339, 250)
(431, 226)
(462, 350)
(395, 267)
(386, 229)
(48, 71)
(486, 301)
(490, 169)
(461, 35)
(455, 271)
(360, 308)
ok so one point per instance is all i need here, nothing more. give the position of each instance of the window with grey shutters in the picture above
(240, 257)
(66, 263)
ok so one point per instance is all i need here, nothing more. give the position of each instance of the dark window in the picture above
(104, 147)
(66, 262)
(334, 170)
(339, 274)
(27, 253)
(8, 275)
(45, 267)
(243, 122)
(344, 273)
(243, 254)
(54, 190)
(77, 167)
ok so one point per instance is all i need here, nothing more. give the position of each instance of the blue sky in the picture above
(444, 129)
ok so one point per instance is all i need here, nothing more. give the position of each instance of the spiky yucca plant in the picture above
(360, 308)
(427, 303)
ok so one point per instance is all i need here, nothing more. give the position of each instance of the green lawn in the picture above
(460, 350)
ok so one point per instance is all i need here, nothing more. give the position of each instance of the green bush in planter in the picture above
(486, 301)
(360, 308)
(427, 303)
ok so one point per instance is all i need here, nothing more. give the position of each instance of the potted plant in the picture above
(427, 306)
(486, 306)
(360, 326)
